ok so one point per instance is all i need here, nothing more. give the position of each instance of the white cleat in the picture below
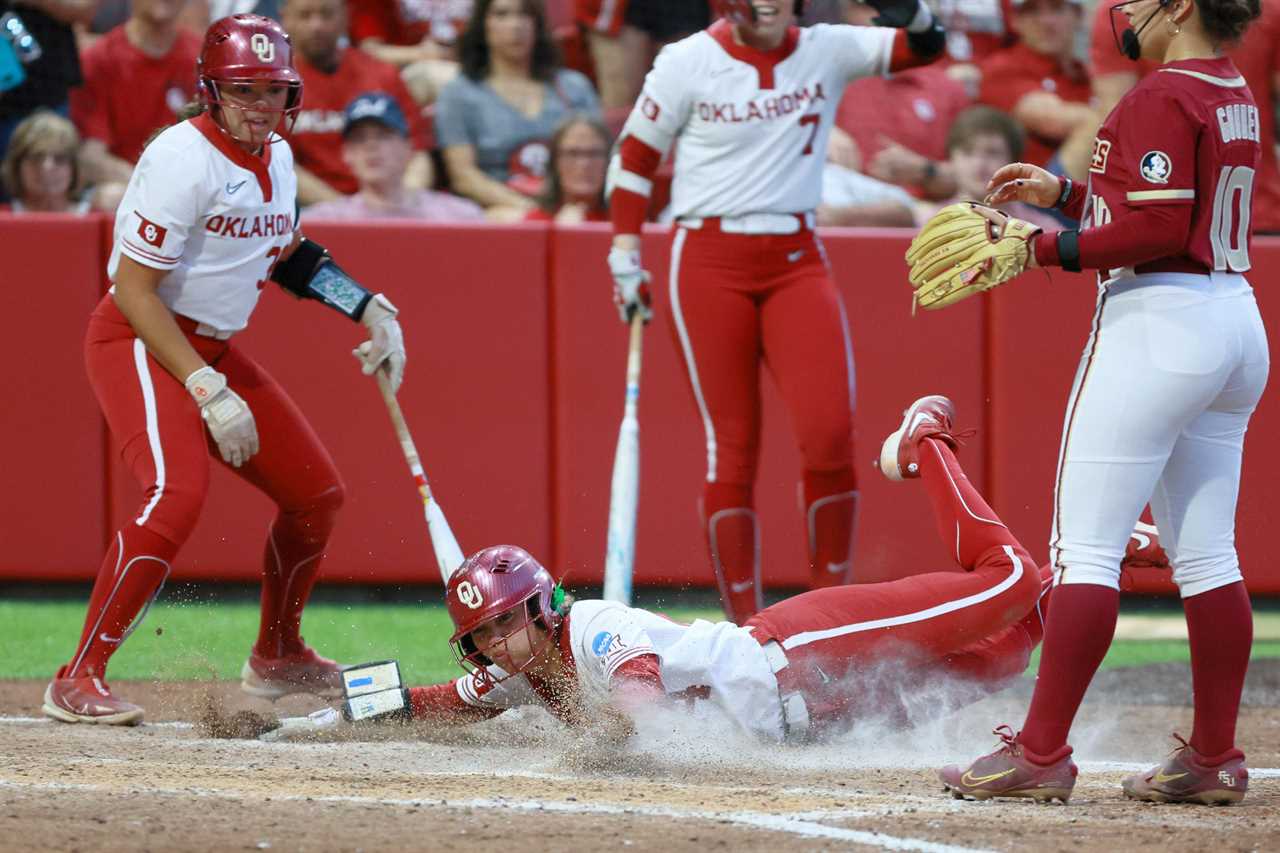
(928, 417)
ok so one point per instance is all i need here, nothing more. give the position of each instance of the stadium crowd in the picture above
(456, 110)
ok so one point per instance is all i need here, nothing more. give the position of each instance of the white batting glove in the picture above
(630, 284)
(385, 344)
(301, 728)
(226, 415)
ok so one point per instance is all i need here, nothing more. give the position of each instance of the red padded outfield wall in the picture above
(514, 393)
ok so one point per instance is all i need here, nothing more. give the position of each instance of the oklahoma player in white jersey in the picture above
(811, 665)
(749, 105)
(207, 219)
(1175, 364)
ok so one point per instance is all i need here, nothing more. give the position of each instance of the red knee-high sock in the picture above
(831, 505)
(1076, 639)
(733, 539)
(1033, 623)
(967, 525)
(1220, 628)
(291, 561)
(131, 575)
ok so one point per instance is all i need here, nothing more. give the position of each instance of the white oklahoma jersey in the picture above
(211, 214)
(720, 658)
(751, 136)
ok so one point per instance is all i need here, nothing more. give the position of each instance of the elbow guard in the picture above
(310, 273)
(930, 42)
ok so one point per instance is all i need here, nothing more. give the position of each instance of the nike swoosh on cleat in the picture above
(969, 779)
(741, 587)
(917, 419)
(1160, 778)
(1142, 540)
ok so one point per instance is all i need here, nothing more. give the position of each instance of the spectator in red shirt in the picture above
(136, 79)
(1258, 58)
(332, 77)
(1038, 81)
(406, 31)
(574, 189)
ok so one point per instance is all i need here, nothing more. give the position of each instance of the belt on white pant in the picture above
(204, 330)
(795, 711)
(752, 223)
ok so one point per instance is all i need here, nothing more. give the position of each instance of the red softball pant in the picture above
(871, 649)
(739, 301)
(163, 441)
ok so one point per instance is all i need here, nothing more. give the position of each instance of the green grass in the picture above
(184, 640)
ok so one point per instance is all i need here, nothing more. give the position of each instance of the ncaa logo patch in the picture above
(469, 595)
(601, 643)
(1156, 167)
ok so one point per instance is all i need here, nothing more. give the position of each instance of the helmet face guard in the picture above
(248, 50)
(1126, 39)
(493, 582)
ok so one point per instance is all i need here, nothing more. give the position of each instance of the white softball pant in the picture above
(1174, 367)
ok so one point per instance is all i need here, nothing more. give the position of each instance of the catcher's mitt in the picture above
(964, 249)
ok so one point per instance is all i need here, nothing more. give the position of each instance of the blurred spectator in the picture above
(375, 145)
(219, 9)
(1257, 57)
(981, 140)
(1039, 81)
(574, 189)
(406, 31)
(40, 170)
(50, 77)
(136, 79)
(625, 35)
(332, 76)
(495, 119)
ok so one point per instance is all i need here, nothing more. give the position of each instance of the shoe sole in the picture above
(262, 688)
(888, 461)
(1040, 795)
(1204, 798)
(124, 718)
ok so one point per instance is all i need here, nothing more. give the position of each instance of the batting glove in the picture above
(385, 344)
(301, 728)
(630, 284)
(226, 415)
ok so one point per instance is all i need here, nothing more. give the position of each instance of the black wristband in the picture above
(1066, 191)
(310, 273)
(1069, 250)
(929, 43)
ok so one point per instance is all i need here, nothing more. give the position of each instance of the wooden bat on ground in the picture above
(448, 554)
(620, 551)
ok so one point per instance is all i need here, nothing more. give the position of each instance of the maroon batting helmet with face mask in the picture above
(247, 49)
(490, 583)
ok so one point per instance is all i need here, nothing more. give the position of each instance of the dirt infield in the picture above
(524, 782)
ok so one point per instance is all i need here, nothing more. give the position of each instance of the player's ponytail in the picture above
(1226, 20)
(188, 111)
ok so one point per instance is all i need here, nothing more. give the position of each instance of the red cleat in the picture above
(928, 417)
(87, 699)
(300, 670)
(1007, 772)
(1186, 778)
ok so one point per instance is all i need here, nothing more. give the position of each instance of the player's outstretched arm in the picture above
(922, 38)
(309, 272)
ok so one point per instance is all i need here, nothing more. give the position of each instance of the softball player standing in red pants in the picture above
(207, 219)
(748, 105)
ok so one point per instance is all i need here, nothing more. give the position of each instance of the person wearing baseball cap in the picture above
(376, 147)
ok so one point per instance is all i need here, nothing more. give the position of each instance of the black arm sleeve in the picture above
(310, 273)
(930, 42)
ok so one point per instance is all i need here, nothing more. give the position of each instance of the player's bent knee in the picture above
(1202, 574)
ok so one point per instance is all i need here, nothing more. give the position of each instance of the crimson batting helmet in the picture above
(492, 582)
(247, 49)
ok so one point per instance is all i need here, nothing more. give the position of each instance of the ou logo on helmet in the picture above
(470, 595)
(263, 47)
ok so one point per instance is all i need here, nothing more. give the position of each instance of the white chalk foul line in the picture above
(27, 721)
(755, 820)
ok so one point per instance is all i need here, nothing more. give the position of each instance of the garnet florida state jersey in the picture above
(752, 127)
(213, 215)
(1186, 134)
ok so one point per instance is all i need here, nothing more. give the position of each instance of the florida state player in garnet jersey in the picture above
(748, 105)
(1175, 363)
(808, 666)
(207, 219)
